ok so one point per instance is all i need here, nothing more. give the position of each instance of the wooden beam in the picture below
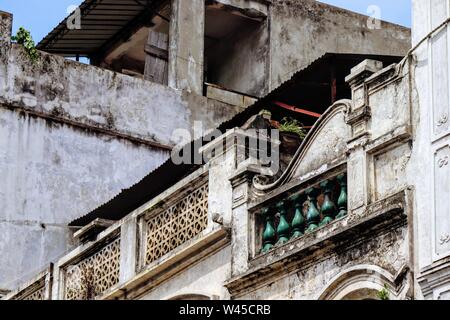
(298, 110)
(333, 84)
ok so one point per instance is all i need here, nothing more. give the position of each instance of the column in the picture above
(186, 49)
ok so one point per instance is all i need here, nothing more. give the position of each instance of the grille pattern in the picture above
(177, 225)
(94, 275)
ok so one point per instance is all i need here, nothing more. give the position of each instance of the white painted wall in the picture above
(205, 278)
(431, 96)
(52, 174)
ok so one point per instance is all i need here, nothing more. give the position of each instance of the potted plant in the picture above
(292, 133)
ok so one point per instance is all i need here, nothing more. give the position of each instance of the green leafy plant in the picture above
(24, 38)
(383, 294)
(290, 125)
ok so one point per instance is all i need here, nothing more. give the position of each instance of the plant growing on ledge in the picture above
(383, 294)
(24, 38)
(290, 125)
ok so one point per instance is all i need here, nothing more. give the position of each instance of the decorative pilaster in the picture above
(298, 223)
(243, 224)
(359, 119)
(329, 209)
(313, 215)
(128, 249)
(359, 116)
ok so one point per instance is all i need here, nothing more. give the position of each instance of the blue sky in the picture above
(40, 16)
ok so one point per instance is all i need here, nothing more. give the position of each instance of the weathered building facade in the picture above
(357, 210)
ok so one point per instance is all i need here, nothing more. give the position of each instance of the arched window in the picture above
(364, 282)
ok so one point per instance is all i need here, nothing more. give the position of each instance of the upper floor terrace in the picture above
(229, 50)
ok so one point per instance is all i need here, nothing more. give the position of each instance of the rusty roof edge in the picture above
(63, 24)
(85, 7)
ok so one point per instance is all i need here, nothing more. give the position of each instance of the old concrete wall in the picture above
(104, 100)
(430, 104)
(387, 251)
(73, 136)
(303, 30)
(247, 52)
(186, 45)
(53, 173)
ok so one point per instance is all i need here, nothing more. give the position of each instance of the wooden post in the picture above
(333, 85)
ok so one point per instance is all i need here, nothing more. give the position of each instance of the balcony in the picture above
(37, 289)
(164, 230)
(161, 238)
(302, 213)
(90, 276)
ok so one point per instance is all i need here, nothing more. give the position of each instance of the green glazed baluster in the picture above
(342, 201)
(269, 235)
(284, 228)
(298, 223)
(329, 209)
(313, 215)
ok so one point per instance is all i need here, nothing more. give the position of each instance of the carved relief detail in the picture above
(443, 162)
(442, 120)
(444, 239)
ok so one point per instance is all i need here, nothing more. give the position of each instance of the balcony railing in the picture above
(181, 222)
(38, 294)
(37, 289)
(94, 275)
(145, 242)
(303, 213)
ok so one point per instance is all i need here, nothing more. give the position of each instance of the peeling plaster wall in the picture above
(51, 174)
(102, 99)
(247, 52)
(303, 30)
(72, 137)
(388, 251)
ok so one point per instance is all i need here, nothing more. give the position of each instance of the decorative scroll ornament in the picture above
(444, 239)
(443, 162)
(442, 120)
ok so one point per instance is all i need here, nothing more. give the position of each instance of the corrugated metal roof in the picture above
(102, 21)
(168, 174)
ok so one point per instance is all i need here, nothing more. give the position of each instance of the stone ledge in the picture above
(434, 276)
(180, 259)
(43, 279)
(130, 108)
